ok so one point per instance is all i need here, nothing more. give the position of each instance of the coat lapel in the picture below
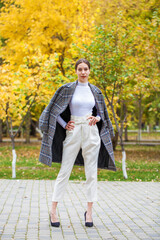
(69, 91)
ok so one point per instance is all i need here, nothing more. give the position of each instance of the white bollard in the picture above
(14, 163)
(124, 164)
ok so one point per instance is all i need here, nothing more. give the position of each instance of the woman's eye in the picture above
(80, 69)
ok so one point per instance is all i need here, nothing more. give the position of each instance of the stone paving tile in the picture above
(125, 210)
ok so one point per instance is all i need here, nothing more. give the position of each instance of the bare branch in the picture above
(122, 124)
(11, 126)
(114, 86)
(115, 120)
(107, 98)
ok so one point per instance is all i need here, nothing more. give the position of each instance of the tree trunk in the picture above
(125, 130)
(115, 141)
(140, 118)
(121, 144)
(124, 164)
(1, 132)
(123, 158)
(12, 136)
(14, 157)
(126, 134)
(13, 147)
(28, 125)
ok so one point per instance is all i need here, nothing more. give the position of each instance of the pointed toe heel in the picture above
(87, 224)
(54, 224)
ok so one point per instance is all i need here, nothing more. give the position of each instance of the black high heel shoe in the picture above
(87, 224)
(54, 224)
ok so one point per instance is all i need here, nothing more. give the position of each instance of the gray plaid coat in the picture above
(54, 134)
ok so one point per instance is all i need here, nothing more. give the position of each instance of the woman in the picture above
(77, 130)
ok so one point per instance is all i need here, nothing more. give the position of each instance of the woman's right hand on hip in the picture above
(70, 125)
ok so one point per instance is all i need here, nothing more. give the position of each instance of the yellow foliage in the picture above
(37, 51)
(50, 26)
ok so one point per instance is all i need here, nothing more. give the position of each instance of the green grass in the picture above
(144, 136)
(142, 164)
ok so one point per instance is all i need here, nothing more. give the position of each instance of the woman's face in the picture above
(83, 72)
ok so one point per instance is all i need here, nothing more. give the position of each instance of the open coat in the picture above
(54, 134)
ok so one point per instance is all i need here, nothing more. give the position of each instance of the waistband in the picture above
(81, 119)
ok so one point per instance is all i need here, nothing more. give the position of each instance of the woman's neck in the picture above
(82, 83)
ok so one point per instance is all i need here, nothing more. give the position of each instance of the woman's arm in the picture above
(61, 121)
(68, 126)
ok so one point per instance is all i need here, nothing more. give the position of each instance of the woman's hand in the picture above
(70, 126)
(93, 121)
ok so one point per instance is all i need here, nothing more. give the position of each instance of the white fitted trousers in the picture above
(86, 137)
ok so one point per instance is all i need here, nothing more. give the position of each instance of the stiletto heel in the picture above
(87, 224)
(54, 224)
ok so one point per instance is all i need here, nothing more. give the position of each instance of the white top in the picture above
(82, 102)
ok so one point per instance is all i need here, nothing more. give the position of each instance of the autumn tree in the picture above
(120, 58)
(23, 89)
(36, 39)
(109, 72)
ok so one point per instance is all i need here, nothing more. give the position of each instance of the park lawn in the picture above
(142, 164)
(144, 136)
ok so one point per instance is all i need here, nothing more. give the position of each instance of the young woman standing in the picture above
(82, 132)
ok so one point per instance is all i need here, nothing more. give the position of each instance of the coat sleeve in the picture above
(44, 118)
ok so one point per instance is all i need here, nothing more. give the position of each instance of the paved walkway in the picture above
(125, 210)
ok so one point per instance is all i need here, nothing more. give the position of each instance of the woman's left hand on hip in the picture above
(93, 120)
